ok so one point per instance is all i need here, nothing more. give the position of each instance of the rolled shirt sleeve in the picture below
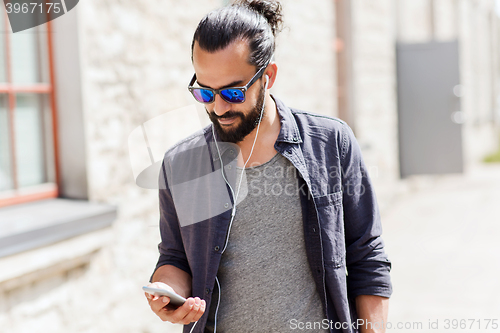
(368, 266)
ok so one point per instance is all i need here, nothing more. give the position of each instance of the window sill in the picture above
(27, 226)
(39, 238)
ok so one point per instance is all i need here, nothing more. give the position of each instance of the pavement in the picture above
(443, 241)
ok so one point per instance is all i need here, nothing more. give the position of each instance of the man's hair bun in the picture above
(255, 21)
(271, 10)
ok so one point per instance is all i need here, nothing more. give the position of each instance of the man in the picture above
(292, 250)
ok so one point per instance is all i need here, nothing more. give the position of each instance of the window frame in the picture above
(41, 191)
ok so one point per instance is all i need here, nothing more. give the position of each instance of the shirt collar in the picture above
(289, 131)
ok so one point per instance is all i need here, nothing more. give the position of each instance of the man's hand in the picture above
(189, 312)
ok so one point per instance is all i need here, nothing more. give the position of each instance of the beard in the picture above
(247, 123)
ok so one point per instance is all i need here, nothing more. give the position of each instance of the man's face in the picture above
(229, 68)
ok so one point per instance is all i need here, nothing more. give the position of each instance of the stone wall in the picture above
(374, 89)
(305, 56)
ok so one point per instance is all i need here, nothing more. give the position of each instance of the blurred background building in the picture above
(417, 80)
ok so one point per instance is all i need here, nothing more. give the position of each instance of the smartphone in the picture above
(175, 299)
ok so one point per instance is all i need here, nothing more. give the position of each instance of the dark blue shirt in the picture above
(341, 219)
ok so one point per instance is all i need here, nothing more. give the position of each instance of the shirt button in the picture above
(207, 291)
(314, 229)
(295, 139)
(229, 167)
(226, 205)
(217, 248)
(231, 152)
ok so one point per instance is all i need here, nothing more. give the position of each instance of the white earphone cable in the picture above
(235, 197)
(192, 328)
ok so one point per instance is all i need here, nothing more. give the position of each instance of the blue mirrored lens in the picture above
(203, 95)
(233, 95)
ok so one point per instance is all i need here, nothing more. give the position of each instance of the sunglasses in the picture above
(234, 95)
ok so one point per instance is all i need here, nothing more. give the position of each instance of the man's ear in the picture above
(271, 71)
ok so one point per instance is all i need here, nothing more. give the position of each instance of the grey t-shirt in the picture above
(266, 282)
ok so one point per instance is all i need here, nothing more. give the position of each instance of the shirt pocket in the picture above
(331, 221)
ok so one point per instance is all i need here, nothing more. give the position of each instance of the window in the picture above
(33, 156)
(28, 168)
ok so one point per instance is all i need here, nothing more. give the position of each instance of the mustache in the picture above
(228, 114)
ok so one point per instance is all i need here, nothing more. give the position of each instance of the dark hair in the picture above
(257, 21)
